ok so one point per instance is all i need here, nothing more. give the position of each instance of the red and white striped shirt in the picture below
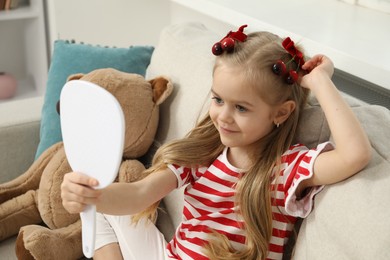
(209, 203)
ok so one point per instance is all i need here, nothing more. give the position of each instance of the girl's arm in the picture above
(352, 148)
(117, 198)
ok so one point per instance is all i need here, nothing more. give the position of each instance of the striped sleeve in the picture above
(300, 166)
(183, 174)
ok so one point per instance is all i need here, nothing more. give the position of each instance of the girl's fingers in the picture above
(77, 191)
(80, 193)
(75, 203)
(320, 63)
(312, 63)
(81, 179)
(79, 184)
(73, 207)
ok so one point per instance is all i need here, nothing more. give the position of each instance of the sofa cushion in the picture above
(184, 54)
(19, 135)
(70, 58)
(350, 219)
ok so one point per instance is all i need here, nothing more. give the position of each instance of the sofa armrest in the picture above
(19, 135)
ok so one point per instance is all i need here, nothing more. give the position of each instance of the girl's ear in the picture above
(284, 111)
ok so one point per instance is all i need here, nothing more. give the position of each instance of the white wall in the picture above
(119, 23)
(180, 14)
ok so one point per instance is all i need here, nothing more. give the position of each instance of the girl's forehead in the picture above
(234, 75)
(224, 72)
(233, 85)
(225, 76)
(222, 67)
(239, 81)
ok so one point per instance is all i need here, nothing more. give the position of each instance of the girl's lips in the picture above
(226, 130)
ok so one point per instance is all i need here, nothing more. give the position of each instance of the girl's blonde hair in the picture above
(202, 145)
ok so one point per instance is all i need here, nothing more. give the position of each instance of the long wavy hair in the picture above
(202, 145)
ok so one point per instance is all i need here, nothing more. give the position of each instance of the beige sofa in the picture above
(350, 219)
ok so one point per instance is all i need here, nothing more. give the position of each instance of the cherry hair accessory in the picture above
(279, 68)
(289, 46)
(227, 43)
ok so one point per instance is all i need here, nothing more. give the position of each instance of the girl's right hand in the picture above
(77, 192)
(318, 67)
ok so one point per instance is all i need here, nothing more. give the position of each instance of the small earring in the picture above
(277, 125)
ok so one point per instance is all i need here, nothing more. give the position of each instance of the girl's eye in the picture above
(217, 100)
(241, 108)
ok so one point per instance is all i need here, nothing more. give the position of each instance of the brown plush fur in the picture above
(34, 197)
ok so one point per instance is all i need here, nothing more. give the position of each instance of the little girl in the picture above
(246, 181)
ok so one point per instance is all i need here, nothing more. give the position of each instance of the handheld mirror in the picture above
(92, 125)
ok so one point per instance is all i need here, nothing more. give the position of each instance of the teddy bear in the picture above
(31, 204)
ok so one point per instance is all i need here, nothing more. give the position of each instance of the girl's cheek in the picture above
(212, 113)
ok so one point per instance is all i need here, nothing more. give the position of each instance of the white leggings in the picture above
(142, 241)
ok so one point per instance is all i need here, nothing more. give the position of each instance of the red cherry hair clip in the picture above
(289, 46)
(227, 43)
(279, 68)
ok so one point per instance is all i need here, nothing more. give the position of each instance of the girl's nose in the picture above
(225, 115)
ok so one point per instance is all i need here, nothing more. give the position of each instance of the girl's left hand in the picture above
(77, 192)
(317, 67)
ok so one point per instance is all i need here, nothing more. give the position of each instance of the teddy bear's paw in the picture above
(38, 242)
(18, 212)
(130, 171)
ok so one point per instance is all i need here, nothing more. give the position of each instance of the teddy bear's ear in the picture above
(162, 88)
(75, 76)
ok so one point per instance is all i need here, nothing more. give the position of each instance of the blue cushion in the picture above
(70, 58)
